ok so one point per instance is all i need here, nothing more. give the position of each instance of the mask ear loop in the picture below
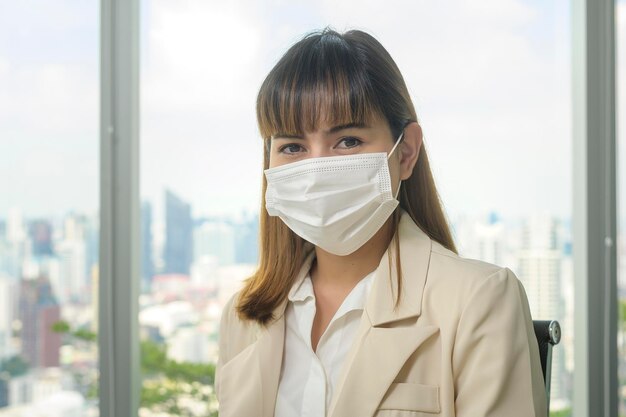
(389, 156)
(396, 144)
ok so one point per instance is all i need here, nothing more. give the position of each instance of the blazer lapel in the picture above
(242, 378)
(252, 376)
(384, 343)
(249, 381)
(269, 360)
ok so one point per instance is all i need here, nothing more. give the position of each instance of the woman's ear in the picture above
(410, 149)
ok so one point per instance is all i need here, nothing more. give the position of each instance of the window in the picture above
(491, 87)
(49, 220)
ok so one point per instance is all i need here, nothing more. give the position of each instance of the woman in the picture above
(361, 305)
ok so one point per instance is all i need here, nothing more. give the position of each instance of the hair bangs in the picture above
(323, 84)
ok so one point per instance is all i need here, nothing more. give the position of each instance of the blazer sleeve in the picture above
(496, 365)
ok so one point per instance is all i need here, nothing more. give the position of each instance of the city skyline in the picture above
(180, 308)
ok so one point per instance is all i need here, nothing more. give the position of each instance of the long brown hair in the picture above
(336, 78)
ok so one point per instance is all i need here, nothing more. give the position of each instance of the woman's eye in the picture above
(290, 148)
(349, 142)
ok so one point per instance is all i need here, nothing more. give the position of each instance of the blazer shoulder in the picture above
(448, 268)
(445, 255)
(234, 333)
(465, 284)
(230, 317)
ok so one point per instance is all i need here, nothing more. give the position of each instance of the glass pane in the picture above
(491, 85)
(49, 183)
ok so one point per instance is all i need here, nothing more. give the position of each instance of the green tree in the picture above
(567, 412)
(14, 366)
(165, 381)
(63, 327)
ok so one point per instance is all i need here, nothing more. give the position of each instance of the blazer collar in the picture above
(415, 246)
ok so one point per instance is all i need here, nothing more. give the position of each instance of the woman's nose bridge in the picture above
(321, 152)
(319, 147)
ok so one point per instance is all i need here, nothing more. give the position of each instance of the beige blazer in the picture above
(460, 344)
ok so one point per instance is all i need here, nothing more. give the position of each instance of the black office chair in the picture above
(548, 333)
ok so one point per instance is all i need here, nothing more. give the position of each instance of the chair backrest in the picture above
(548, 333)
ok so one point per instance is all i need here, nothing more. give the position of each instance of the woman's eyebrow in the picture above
(286, 136)
(346, 126)
(326, 132)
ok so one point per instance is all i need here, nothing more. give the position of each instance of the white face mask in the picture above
(335, 202)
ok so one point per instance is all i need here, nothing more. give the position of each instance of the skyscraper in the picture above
(92, 244)
(4, 389)
(3, 229)
(178, 235)
(540, 273)
(38, 311)
(75, 284)
(247, 240)
(41, 235)
(147, 263)
(6, 315)
(489, 238)
(15, 226)
(215, 238)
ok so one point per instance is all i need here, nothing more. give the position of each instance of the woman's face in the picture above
(337, 140)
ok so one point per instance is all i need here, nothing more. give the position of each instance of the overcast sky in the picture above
(490, 81)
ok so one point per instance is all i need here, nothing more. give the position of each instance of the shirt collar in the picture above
(358, 296)
(302, 289)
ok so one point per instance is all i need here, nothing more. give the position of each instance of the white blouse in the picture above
(308, 378)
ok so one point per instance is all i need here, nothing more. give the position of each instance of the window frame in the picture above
(594, 208)
(118, 321)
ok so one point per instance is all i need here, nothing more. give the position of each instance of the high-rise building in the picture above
(95, 300)
(3, 229)
(489, 238)
(13, 247)
(40, 232)
(247, 240)
(72, 256)
(540, 273)
(74, 227)
(484, 236)
(178, 235)
(217, 239)
(6, 316)
(15, 226)
(92, 244)
(147, 263)
(38, 311)
(4, 389)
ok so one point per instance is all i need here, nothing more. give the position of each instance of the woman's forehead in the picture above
(329, 126)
